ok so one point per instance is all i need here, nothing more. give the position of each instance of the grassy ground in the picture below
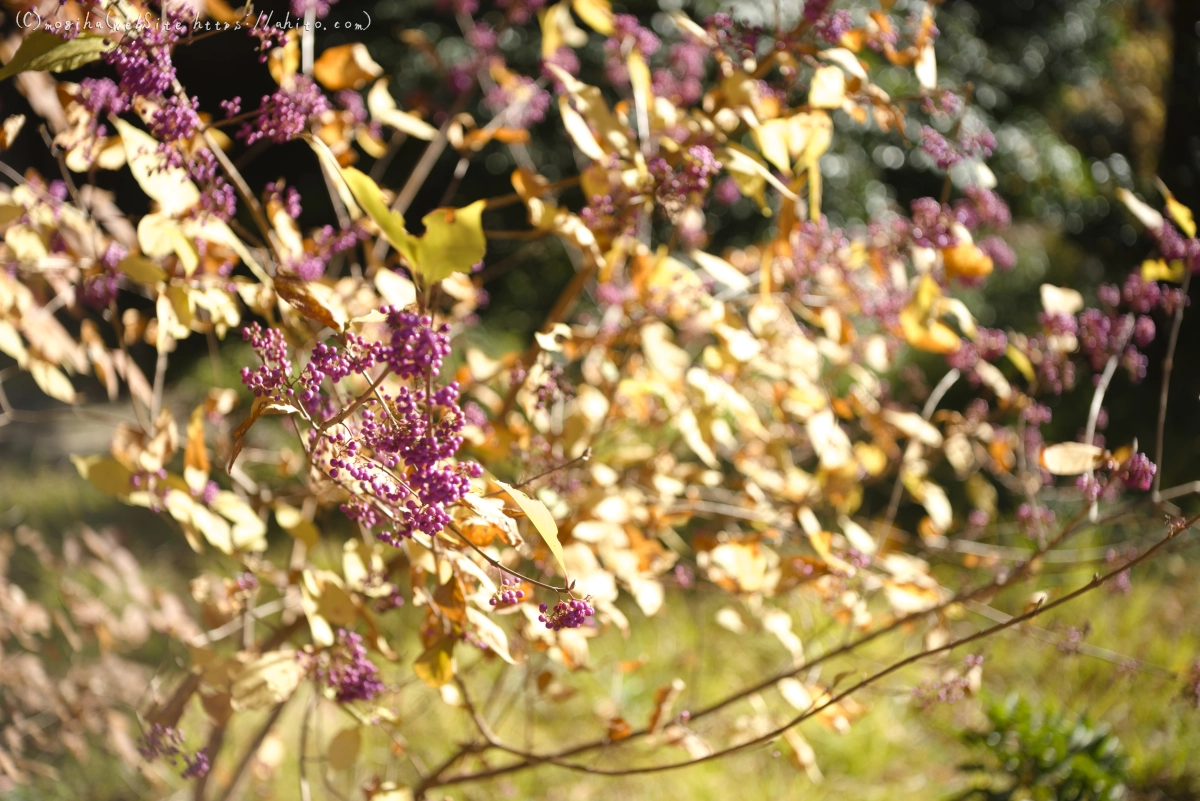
(896, 750)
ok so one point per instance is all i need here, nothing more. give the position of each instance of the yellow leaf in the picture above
(773, 140)
(1180, 213)
(104, 473)
(590, 103)
(597, 14)
(11, 344)
(919, 324)
(1146, 215)
(249, 531)
(578, 130)
(25, 243)
(1060, 300)
(347, 66)
(142, 270)
(541, 518)
(914, 426)
(195, 455)
(344, 747)
(559, 29)
(1020, 361)
(453, 242)
(1071, 458)
(926, 67)
(721, 271)
(268, 680)
(170, 187)
(490, 634)
(435, 666)
(283, 62)
(828, 89)
(313, 300)
(52, 381)
(1159, 270)
(828, 440)
(292, 521)
(385, 111)
(217, 532)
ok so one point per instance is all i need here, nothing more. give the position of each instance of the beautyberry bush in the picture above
(803, 417)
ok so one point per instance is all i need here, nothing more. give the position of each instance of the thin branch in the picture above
(1096, 581)
(1168, 366)
(252, 750)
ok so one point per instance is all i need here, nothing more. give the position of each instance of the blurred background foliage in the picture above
(1084, 96)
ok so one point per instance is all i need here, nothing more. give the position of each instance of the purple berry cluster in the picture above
(165, 742)
(627, 33)
(284, 115)
(396, 455)
(348, 672)
(1032, 518)
(676, 188)
(508, 595)
(566, 614)
(951, 689)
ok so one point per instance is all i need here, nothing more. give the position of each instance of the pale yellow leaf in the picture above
(1071, 458)
(170, 187)
(828, 89)
(541, 519)
(268, 680)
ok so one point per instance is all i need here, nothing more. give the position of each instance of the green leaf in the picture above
(541, 518)
(435, 666)
(453, 241)
(370, 197)
(42, 51)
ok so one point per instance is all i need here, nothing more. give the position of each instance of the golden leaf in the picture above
(1180, 213)
(195, 455)
(12, 127)
(1159, 270)
(105, 474)
(966, 260)
(142, 270)
(346, 66)
(343, 748)
(300, 295)
(435, 666)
